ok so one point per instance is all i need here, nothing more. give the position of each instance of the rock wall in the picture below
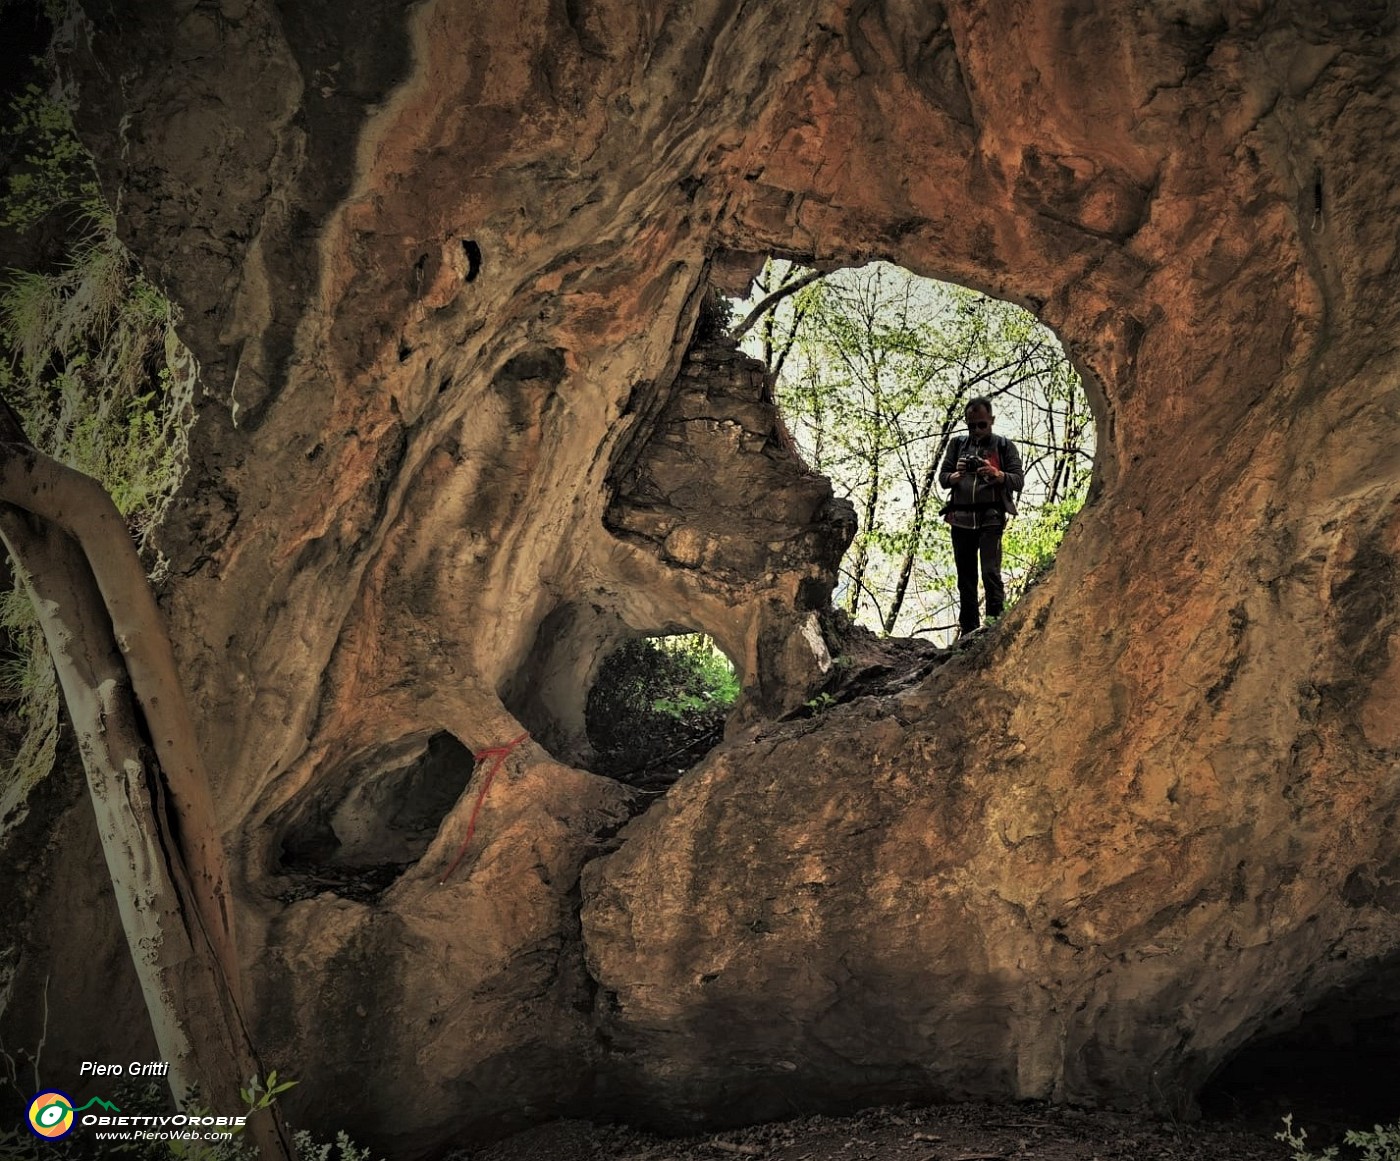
(719, 492)
(441, 266)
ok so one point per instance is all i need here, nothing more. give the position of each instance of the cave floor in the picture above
(959, 1132)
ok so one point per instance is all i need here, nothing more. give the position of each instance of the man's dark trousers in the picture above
(968, 545)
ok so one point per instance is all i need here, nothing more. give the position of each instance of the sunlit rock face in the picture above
(441, 267)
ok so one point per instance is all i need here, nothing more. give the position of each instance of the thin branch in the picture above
(769, 301)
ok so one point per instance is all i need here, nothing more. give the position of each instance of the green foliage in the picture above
(341, 1149)
(1032, 539)
(259, 1096)
(875, 368)
(676, 676)
(701, 679)
(1381, 1143)
(54, 171)
(96, 373)
(658, 704)
(90, 360)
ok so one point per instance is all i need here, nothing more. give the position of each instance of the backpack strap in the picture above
(1002, 443)
(957, 445)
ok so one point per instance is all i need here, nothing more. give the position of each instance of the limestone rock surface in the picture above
(442, 264)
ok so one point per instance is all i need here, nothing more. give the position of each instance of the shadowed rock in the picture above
(442, 270)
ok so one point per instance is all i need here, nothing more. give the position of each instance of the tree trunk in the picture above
(919, 516)
(870, 508)
(53, 523)
(769, 302)
(917, 519)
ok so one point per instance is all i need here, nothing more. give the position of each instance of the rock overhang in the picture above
(1150, 181)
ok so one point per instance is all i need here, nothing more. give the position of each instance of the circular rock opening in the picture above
(875, 368)
(657, 706)
(355, 832)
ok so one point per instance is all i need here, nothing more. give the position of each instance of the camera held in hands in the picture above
(971, 463)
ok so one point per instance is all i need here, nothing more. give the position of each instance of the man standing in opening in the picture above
(983, 470)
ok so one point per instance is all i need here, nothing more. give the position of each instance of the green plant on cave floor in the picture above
(258, 1096)
(1381, 1143)
(90, 361)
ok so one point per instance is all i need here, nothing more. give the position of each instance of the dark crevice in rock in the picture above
(388, 467)
(359, 884)
(547, 693)
(357, 829)
(1334, 1069)
(472, 251)
(1360, 601)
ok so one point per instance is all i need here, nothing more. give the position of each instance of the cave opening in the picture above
(873, 367)
(355, 832)
(658, 706)
(1333, 1069)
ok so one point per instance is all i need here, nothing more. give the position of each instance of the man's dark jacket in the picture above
(975, 503)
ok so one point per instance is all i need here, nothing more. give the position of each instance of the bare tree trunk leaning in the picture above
(155, 819)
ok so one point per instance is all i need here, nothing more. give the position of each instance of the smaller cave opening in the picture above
(657, 706)
(1333, 1070)
(355, 832)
